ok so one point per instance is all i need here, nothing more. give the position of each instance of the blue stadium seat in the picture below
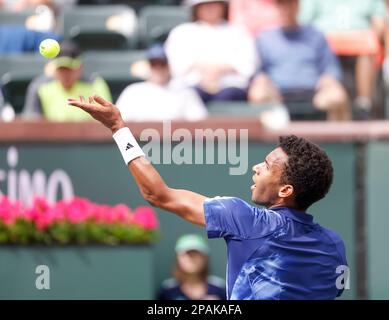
(113, 66)
(97, 27)
(16, 72)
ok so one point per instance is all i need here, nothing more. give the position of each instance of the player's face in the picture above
(192, 261)
(267, 178)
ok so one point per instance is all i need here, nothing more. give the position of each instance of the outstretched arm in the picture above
(186, 204)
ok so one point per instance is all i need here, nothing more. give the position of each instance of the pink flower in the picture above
(101, 214)
(58, 211)
(10, 211)
(44, 220)
(77, 210)
(121, 214)
(107, 214)
(39, 213)
(146, 218)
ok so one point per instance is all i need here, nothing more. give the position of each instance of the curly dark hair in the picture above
(309, 170)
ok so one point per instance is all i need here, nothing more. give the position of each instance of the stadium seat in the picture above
(12, 17)
(300, 106)
(135, 4)
(155, 22)
(29, 63)
(113, 66)
(16, 72)
(305, 111)
(233, 108)
(15, 89)
(100, 27)
(297, 110)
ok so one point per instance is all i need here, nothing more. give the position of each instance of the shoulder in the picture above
(42, 80)
(169, 290)
(138, 86)
(332, 236)
(269, 33)
(185, 94)
(43, 83)
(135, 92)
(258, 217)
(168, 284)
(235, 29)
(227, 203)
(336, 240)
(268, 36)
(216, 281)
(92, 79)
(183, 29)
(313, 33)
(234, 203)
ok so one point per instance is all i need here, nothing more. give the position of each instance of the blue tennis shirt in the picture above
(275, 253)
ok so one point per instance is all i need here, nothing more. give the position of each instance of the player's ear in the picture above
(285, 191)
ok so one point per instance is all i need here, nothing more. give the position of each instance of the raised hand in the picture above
(101, 110)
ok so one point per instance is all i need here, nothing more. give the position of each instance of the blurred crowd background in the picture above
(173, 60)
(157, 60)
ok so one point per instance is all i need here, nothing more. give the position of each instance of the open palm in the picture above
(101, 110)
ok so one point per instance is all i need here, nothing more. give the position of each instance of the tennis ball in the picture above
(49, 48)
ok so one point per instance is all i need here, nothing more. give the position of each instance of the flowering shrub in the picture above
(78, 221)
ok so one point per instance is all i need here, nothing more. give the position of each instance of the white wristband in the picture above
(127, 145)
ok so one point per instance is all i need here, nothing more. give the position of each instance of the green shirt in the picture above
(341, 15)
(49, 98)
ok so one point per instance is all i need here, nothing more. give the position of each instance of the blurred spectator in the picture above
(191, 280)
(386, 61)
(20, 5)
(47, 97)
(18, 39)
(7, 113)
(353, 28)
(209, 54)
(45, 11)
(99, 2)
(255, 15)
(2, 100)
(156, 99)
(297, 59)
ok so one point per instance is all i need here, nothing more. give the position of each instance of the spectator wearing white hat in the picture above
(211, 55)
(157, 99)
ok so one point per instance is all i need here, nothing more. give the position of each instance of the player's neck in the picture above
(283, 204)
(279, 205)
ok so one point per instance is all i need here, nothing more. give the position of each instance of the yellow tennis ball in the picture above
(49, 48)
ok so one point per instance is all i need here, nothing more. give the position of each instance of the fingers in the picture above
(88, 107)
(102, 101)
(94, 103)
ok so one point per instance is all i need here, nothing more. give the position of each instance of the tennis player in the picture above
(275, 251)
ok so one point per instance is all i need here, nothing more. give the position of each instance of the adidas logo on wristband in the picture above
(127, 144)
